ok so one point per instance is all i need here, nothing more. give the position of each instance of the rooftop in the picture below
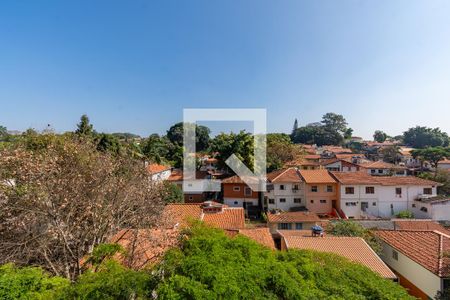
(292, 217)
(381, 165)
(427, 248)
(317, 176)
(156, 168)
(348, 178)
(261, 235)
(353, 248)
(284, 175)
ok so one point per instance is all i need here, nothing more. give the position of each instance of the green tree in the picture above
(3, 133)
(240, 144)
(171, 193)
(175, 135)
(84, 128)
(334, 122)
(157, 148)
(351, 228)
(294, 128)
(405, 214)
(379, 136)
(432, 154)
(442, 176)
(108, 143)
(391, 154)
(280, 150)
(423, 137)
(29, 283)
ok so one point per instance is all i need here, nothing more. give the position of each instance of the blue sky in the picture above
(134, 65)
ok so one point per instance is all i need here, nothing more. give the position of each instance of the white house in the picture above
(365, 196)
(285, 190)
(435, 208)
(417, 258)
(340, 165)
(381, 168)
(444, 164)
(158, 172)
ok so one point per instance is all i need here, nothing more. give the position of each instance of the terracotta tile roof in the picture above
(156, 168)
(424, 247)
(236, 179)
(180, 213)
(284, 175)
(347, 178)
(336, 149)
(381, 165)
(229, 218)
(177, 175)
(145, 246)
(352, 248)
(349, 155)
(311, 156)
(429, 225)
(445, 161)
(260, 235)
(355, 178)
(292, 217)
(317, 176)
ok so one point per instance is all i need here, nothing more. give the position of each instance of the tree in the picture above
(442, 176)
(3, 133)
(280, 150)
(294, 128)
(171, 193)
(241, 144)
(108, 143)
(405, 214)
(423, 137)
(379, 136)
(156, 148)
(350, 228)
(391, 154)
(176, 132)
(334, 122)
(432, 154)
(66, 197)
(84, 128)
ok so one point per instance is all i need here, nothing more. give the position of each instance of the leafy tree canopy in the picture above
(84, 128)
(380, 136)
(241, 144)
(422, 137)
(175, 135)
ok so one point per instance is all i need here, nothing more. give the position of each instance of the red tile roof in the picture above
(317, 176)
(229, 218)
(364, 178)
(145, 246)
(427, 248)
(406, 180)
(355, 178)
(260, 235)
(177, 175)
(156, 168)
(284, 175)
(292, 217)
(180, 213)
(381, 165)
(419, 224)
(352, 248)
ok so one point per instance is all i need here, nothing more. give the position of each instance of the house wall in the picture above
(355, 211)
(444, 166)
(313, 198)
(288, 193)
(417, 275)
(164, 175)
(273, 227)
(229, 192)
(239, 202)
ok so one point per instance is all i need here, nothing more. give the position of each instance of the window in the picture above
(271, 201)
(236, 188)
(312, 201)
(314, 188)
(248, 191)
(297, 200)
(413, 205)
(370, 190)
(282, 200)
(235, 202)
(282, 187)
(380, 171)
(374, 204)
(372, 171)
(191, 198)
(295, 187)
(299, 226)
(350, 203)
(285, 226)
(323, 201)
(398, 191)
(329, 188)
(427, 191)
(424, 209)
(394, 254)
(350, 190)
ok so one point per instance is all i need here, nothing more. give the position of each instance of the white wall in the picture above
(358, 197)
(426, 281)
(239, 202)
(164, 175)
(287, 194)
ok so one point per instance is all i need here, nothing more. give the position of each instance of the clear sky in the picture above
(132, 66)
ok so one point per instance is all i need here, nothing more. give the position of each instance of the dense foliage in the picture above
(380, 136)
(422, 137)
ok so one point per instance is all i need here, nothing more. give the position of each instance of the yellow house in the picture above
(320, 191)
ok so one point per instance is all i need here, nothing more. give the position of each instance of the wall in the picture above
(228, 191)
(273, 227)
(288, 193)
(239, 202)
(417, 275)
(358, 197)
(321, 194)
(161, 175)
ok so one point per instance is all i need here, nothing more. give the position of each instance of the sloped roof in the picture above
(292, 217)
(355, 178)
(317, 176)
(284, 175)
(381, 165)
(181, 213)
(347, 178)
(353, 248)
(156, 168)
(260, 235)
(419, 224)
(406, 180)
(228, 218)
(177, 175)
(426, 248)
(144, 246)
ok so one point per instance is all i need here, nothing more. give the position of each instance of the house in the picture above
(353, 248)
(363, 196)
(177, 177)
(444, 164)
(237, 193)
(418, 259)
(284, 190)
(208, 164)
(339, 164)
(320, 190)
(419, 224)
(434, 207)
(158, 172)
(381, 168)
(298, 220)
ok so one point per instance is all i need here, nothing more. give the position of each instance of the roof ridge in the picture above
(285, 170)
